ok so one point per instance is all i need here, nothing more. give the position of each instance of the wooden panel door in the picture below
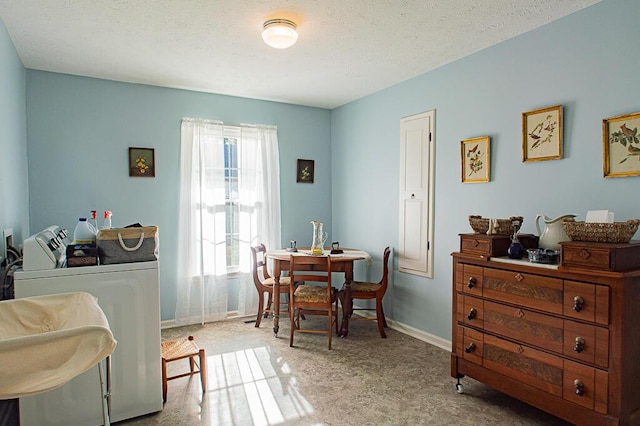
(416, 194)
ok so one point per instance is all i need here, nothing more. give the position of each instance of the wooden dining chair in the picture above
(264, 282)
(312, 299)
(368, 291)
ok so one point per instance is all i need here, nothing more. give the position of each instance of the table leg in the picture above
(346, 302)
(276, 297)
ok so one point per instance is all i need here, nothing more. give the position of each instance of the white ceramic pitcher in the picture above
(553, 233)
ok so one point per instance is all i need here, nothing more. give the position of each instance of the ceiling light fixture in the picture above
(279, 33)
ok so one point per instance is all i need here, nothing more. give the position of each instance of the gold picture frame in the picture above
(542, 134)
(142, 162)
(621, 146)
(475, 156)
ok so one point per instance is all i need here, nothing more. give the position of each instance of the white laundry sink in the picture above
(45, 341)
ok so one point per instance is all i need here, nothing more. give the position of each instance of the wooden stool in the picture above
(179, 349)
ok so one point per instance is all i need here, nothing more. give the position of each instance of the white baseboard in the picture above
(403, 328)
(168, 324)
(432, 339)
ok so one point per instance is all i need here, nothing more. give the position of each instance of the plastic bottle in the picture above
(84, 232)
(107, 220)
(94, 220)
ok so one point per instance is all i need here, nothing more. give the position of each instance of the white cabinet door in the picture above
(416, 194)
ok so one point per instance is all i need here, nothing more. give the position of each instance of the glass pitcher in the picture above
(319, 238)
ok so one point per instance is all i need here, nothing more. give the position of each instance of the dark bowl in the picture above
(544, 256)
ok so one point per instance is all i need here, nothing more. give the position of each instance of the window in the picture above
(232, 202)
(229, 201)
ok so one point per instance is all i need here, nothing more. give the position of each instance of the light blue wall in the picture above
(588, 62)
(79, 131)
(14, 208)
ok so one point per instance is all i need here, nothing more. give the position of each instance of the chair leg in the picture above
(269, 301)
(292, 316)
(330, 329)
(380, 318)
(384, 318)
(260, 308)
(203, 370)
(337, 314)
(192, 364)
(164, 380)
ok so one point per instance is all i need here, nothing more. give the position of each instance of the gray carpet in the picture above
(257, 379)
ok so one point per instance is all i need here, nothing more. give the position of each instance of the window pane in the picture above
(232, 225)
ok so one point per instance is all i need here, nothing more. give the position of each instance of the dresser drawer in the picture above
(586, 342)
(493, 245)
(586, 386)
(469, 279)
(543, 331)
(527, 365)
(470, 311)
(605, 256)
(469, 344)
(530, 290)
(587, 302)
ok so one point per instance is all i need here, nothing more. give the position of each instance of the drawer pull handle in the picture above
(472, 282)
(585, 254)
(579, 387)
(577, 303)
(470, 348)
(579, 347)
(472, 314)
(519, 313)
(519, 277)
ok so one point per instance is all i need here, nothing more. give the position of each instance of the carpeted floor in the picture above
(257, 379)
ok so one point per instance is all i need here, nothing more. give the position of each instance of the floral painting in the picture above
(142, 162)
(475, 159)
(621, 145)
(305, 171)
(542, 134)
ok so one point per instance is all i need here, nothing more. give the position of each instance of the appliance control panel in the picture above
(46, 249)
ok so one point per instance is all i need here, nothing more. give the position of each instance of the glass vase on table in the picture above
(319, 238)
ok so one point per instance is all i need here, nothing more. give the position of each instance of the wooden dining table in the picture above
(339, 263)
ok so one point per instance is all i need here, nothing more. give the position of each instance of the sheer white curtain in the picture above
(202, 286)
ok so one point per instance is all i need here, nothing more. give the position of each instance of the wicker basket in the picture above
(503, 226)
(617, 232)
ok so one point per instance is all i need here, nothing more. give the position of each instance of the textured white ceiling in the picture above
(347, 49)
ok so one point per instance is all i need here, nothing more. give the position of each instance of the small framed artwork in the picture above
(142, 162)
(305, 171)
(542, 134)
(621, 146)
(474, 159)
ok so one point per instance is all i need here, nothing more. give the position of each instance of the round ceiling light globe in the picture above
(280, 33)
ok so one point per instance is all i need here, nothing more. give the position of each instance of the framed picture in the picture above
(305, 171)
(474, 159)
(621, 146)
(542, 134)
(142, 162)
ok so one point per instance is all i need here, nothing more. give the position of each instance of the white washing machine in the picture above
(129, 295)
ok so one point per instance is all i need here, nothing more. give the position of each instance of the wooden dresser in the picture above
(565, 338)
